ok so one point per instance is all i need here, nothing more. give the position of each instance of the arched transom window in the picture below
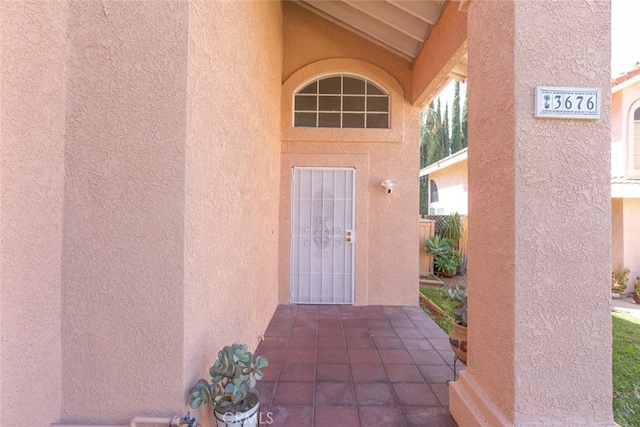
(341, 101)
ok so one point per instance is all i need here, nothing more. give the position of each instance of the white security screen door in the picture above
(322, 235)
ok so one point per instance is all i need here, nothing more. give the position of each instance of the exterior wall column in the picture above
(539, 220)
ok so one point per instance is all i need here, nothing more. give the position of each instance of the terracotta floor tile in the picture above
(382, 332)
(273, 354)
(334, 393)
(294, 393)
(330, 323)
(300, 355)
(278, 331)
(417, 416)
(409, 332)
(426, 357)
(349, 323)
(440, 343)
(415, 395)
(391, 356)
(329, 312)
(302, 342)
(360, 342)
(304, 331)
(388, 343)
(368, 372)
(417, 344)
(266, 389)
(332, 355)
(272, 372)
(336, 416)
(298, 372)
(333, 372)
(434, 333)
(274, 342)
(442, 393)
(404, 322)
(330, 341)
(381, 416)
(363, 355)
(403, 373)
(356, 331)
(378, 323)
(436, 373)
(291, 416)
(330, 331)
(344, 366)
(374, 394)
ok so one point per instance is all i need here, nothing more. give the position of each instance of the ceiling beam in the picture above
(394, 17)
(428, 11)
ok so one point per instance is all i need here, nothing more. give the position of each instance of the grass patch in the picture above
(626, 369)
(438, 295)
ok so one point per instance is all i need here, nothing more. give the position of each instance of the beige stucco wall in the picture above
(623, 104)
(123, 294)
(527, 178)
(232, 178)
(386, 261)
(452, 185)
(617, 232)
(32, 125)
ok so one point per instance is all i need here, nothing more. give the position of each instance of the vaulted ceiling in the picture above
(398, 25)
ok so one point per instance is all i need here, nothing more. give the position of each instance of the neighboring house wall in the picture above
(625, 244)
(452, 190)
(32, 123)
(386, 263)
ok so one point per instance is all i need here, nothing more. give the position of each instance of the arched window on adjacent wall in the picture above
(341, 101)
(635, 146)
(433, 197)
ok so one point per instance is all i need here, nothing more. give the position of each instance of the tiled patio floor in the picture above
(344, 366)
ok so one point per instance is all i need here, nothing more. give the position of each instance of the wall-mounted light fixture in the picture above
(389, 184)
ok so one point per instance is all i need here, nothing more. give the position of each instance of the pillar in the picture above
(539, 220)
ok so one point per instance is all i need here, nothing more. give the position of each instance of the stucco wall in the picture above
(617, 232)
(308, 38)
(631, 215)
(529, 178)
(123, 291)
(386, 260)
(232, 177)
(452, 189)
(32, 125)
(623, 104)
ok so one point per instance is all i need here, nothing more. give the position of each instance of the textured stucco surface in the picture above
(123, 293)
(308, 38)
(385, 257)
(232, 178)
(631, 238)
(32, 124)
(528, 178)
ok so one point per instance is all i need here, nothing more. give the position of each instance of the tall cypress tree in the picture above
(438, 134)
(464, 120)
(456, 134)
(446, 142)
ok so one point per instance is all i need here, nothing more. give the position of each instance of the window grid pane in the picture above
(341, 101)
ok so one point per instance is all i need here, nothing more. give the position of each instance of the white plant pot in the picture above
(241, 419)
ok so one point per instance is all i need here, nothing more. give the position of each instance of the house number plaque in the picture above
(568, 102)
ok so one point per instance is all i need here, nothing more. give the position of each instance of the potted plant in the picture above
(619, 279)
(232, 391)
(445, 258)
(458, 335)
(636, 290)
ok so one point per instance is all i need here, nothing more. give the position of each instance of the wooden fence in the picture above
(427, 228)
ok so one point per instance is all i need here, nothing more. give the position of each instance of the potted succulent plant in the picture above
(636, 290)
(458, 335)
(232, 391)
